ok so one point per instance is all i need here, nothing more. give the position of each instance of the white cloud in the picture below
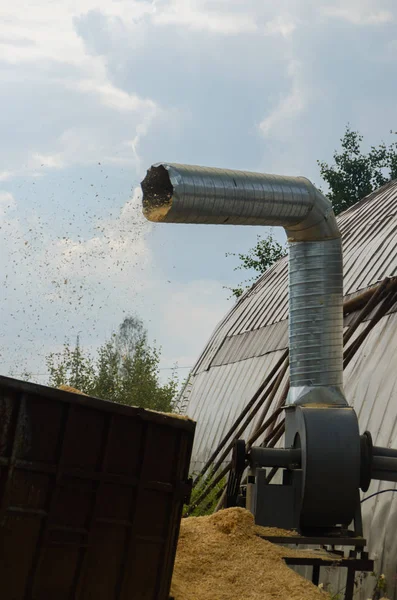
(45, 30)
(289, 107)
(109, 127)
(200, 15)
(225, 18)
(114, 97)
(53, 68)
(85, 145)
(75, 144)
(189, 312)
(6, 175)
(359, 12)
(53, 161)
(7, 203)
(110, 258)
(281, 24)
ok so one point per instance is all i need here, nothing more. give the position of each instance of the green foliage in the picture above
(258, 259)
(355, 174)
(379, 591)
(338, 596)
(380, 587)
(71, 367)
(124, 370)
(183, 397)
(208, 505)
(131, 331)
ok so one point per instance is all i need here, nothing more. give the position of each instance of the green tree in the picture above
(258, 259)
(124, 370)
(130, 332)
(355, 174)
(71, 367)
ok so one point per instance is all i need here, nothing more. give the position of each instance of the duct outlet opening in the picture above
(157, 194)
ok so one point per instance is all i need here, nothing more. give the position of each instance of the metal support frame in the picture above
(352, 565)
(357, 561)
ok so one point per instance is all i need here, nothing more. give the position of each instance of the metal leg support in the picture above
(350, 584)
(316, 574)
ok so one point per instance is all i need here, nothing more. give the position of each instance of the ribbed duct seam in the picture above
(316, 319)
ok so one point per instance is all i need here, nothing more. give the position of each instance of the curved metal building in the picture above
(252, 337)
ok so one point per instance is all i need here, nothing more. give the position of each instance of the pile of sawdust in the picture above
(220, 557)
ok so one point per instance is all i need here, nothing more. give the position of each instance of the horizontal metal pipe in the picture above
(174, 193)
(274, 457)
(380, 451)
(384, 463)
(384, 475)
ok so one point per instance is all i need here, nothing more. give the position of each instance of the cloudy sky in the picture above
(95, 91)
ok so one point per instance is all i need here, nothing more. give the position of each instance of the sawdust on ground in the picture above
(221, 557)
(72, 390)
(275, 532)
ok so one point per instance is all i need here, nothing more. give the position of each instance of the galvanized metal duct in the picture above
(175, 193)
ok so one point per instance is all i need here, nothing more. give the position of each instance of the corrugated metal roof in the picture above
(265, 340)
(249, 341)
(369, 231)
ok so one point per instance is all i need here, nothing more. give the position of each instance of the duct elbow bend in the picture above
(319, 224)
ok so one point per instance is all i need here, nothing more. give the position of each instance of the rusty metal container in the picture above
(91, 496)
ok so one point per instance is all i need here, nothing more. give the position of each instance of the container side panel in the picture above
(91, 496)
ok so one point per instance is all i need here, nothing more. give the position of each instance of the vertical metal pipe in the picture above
(316, 321)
